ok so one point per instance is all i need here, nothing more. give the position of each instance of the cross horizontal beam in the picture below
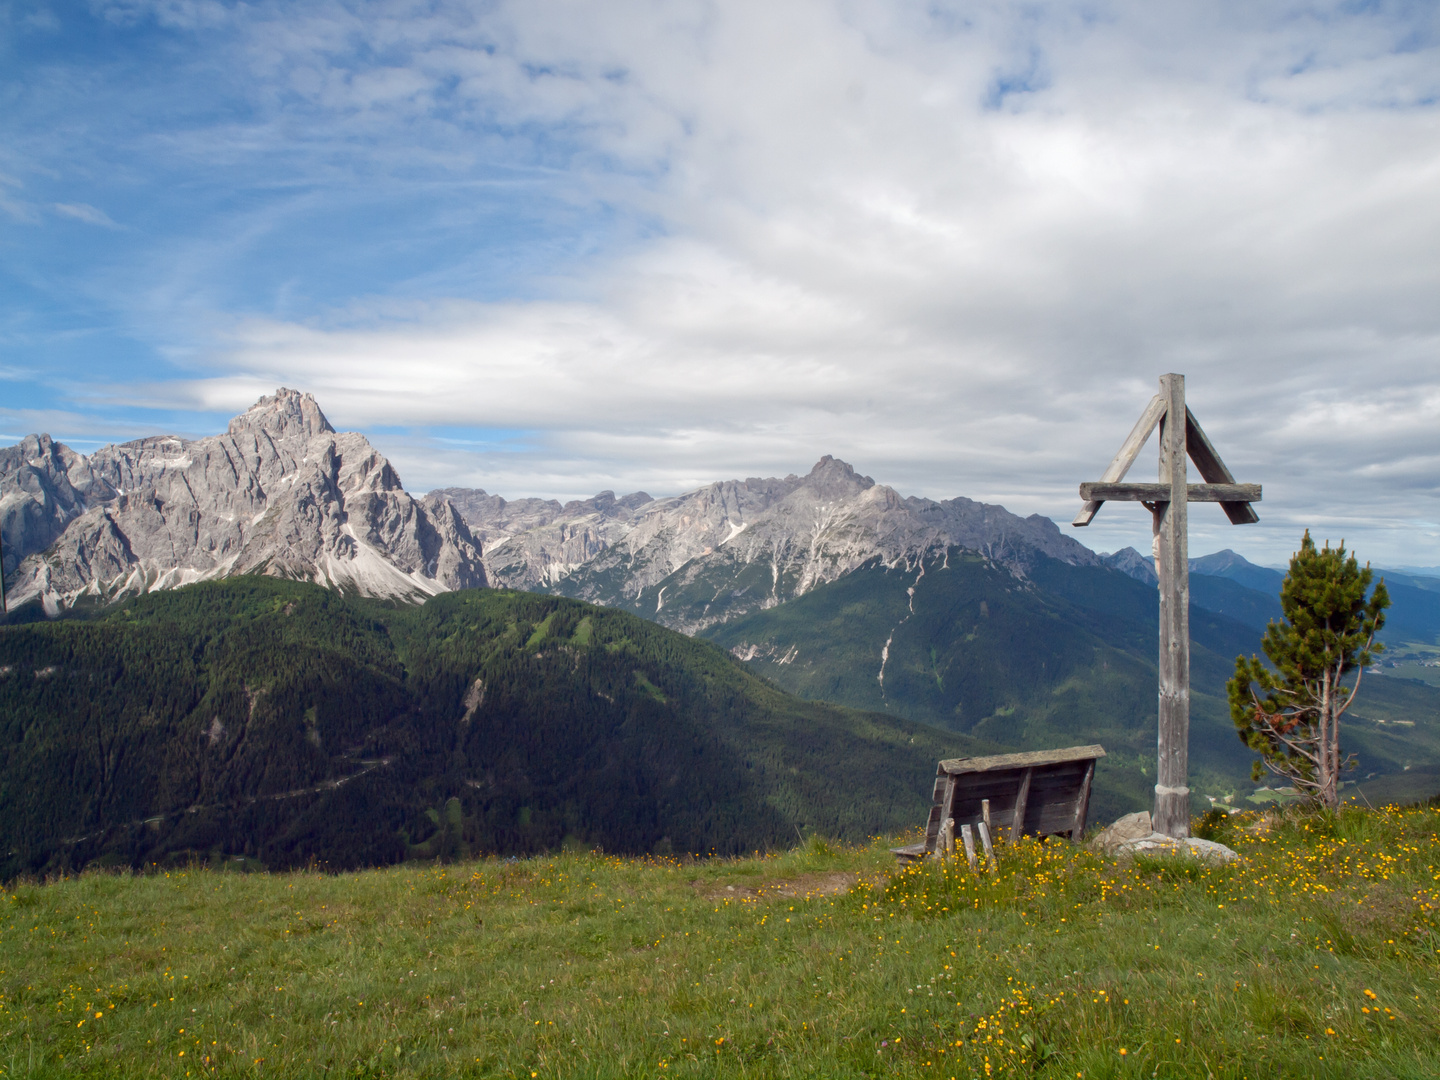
(1160, 493)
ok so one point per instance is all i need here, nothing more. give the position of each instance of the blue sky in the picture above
(548, 248)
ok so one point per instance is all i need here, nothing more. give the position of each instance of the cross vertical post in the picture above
(1181, 438)
(1171, 815)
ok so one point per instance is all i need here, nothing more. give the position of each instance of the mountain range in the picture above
(739, 546)
(283, 494)
(952, 613)
(1229, 584)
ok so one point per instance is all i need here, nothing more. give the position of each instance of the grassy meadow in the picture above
(1317, 955)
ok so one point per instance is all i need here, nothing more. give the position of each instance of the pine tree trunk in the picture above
(1329, 739)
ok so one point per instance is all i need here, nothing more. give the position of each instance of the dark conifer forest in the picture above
(270, 723)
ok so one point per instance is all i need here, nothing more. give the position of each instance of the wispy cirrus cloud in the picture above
(85, 212)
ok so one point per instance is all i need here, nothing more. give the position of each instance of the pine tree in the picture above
(1290, 712)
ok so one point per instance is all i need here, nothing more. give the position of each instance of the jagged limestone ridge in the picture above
(737, 546)
(280, 493)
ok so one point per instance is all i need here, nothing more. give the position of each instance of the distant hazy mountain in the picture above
(1132, 564)
(1228, 564)
(1414, 614)
(280, 493)
(739, 546)
(1231, 585)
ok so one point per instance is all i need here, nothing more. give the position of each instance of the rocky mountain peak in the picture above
(285, 414)
(833, 478)
(737, 546)
(1131, 563)
(281, 493)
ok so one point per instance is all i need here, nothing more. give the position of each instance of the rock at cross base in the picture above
(1134, 833)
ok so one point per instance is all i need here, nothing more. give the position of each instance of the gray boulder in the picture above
(1134, 834)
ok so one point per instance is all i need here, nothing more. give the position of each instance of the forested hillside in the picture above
(1064, 655)
(257, 719)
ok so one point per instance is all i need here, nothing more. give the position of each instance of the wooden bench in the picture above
(1034, 794)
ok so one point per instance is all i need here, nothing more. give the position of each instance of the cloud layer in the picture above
(551, 247)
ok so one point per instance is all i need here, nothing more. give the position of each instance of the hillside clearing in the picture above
(1319, 954)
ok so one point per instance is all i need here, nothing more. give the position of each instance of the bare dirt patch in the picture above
(804, 887)
(1382, 906)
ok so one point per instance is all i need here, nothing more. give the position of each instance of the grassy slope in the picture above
(221, 719)
(1315, 957)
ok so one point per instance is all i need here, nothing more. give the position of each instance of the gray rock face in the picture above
(1131, 562)
(533, 543)
(44, 485)
(280, 493)
(738, 545)
(1133, 834)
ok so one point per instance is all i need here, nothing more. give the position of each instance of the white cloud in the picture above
(86, 213)
(954, 245)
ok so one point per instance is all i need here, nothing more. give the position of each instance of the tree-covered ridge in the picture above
(1065, 655)
(285, 723)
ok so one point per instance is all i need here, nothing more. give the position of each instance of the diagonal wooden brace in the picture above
(1213, 471)
(1129, 451)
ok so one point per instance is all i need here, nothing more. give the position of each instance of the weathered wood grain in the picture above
(1171, 814)
(957, 766)
(939, 807)
(1022, 804)
(1213, 471)
(969, 840)
(910, 851)
(1161, 493)
(1082, 803)
(1129, 450)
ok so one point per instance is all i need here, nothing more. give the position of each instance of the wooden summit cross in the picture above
(1166, 502)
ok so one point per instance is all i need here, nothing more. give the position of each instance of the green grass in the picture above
(1317, 956)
